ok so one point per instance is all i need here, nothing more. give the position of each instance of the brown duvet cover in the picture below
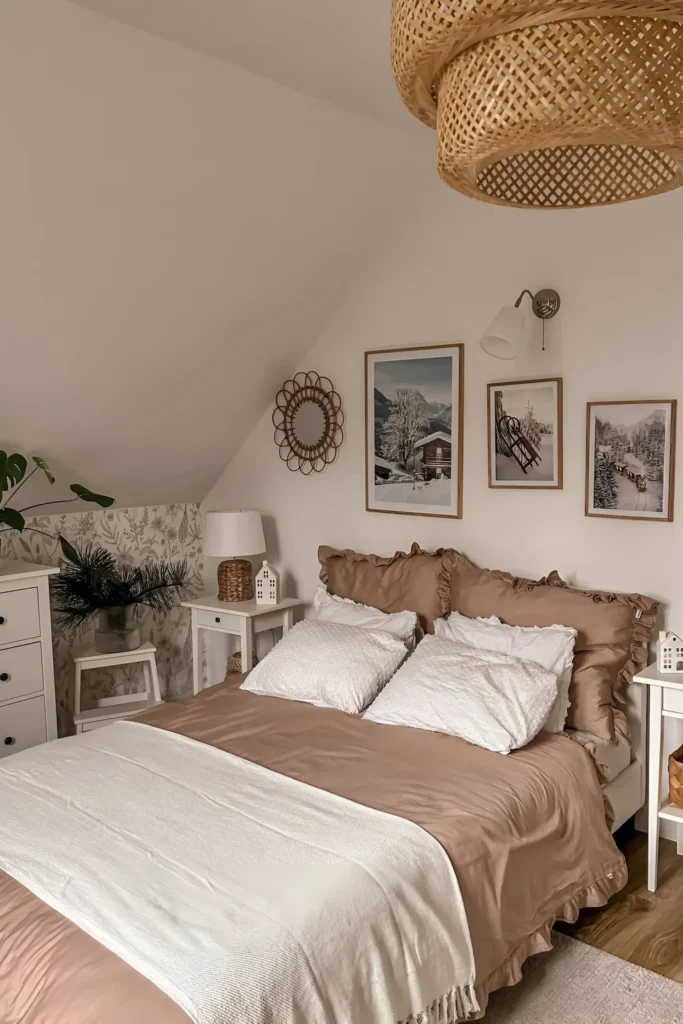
(526, 835)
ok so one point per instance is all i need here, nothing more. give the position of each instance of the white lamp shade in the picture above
(234, 534)
(504, 337)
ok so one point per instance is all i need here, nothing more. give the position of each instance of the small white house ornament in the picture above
(267, 585)
(669, 653)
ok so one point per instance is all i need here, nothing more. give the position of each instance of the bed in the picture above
(527, 837)
(522, 862)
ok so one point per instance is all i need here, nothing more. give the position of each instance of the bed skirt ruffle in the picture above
(540, 941)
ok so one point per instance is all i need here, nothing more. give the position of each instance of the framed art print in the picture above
(630, 459)
(525, 433)
(413, 430)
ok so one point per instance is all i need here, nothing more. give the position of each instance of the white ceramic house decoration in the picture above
(267, 585)
(670, 653)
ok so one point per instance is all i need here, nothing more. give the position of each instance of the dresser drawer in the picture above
(673, 700)
(19, 618)
(21, 671)
(227, 620)
(22, 725)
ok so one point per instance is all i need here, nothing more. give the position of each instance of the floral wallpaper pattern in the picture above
(135, 535)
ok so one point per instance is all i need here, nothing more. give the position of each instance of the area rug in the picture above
(577, 984)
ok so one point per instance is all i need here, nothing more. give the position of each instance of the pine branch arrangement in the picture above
(92, 581)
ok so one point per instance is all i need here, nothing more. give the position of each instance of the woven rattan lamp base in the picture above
(235, 580)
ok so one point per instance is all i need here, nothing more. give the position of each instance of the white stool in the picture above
(111, 709)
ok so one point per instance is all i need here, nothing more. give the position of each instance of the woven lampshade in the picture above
(541, 104)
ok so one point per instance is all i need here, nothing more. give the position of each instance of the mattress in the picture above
(526, 835)
(611, 758)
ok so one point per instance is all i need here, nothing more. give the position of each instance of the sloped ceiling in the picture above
(337, 50)
(176, 232)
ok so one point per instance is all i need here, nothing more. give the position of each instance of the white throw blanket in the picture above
(244, 895)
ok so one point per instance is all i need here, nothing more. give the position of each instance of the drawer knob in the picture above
(4, 676)
(10, 741)
(218, 618)
(2, 620)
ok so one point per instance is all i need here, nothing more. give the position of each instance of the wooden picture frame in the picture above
(524, 451)
(627, 448)
(414, 401)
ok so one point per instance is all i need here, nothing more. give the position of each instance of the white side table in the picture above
(666, 701)
(112, 709)
(244, 619)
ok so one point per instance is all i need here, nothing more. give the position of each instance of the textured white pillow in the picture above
(489, 699)
(552, 647)
(329, 665)
(328, 608)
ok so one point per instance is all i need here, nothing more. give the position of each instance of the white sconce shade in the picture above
(234, 534)
(503, 339)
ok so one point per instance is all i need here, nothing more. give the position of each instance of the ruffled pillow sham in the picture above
(613, 633)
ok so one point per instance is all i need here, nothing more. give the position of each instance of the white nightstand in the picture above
(666, 701)
(241, 618)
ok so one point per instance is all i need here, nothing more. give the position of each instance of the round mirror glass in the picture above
(308, 424)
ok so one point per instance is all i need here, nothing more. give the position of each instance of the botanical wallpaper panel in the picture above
(135, 535)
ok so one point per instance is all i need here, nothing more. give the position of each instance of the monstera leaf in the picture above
(87, 495)
(42, 464)
(12, 470)
(12, 478)
(12, 518)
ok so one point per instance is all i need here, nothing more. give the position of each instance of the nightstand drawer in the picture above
(673, 700)
(22, 725)
(224, 620)
(21, 671)
(19, 618)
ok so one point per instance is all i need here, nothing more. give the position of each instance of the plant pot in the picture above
(117, 630)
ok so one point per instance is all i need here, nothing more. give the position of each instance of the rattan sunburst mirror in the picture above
(308, 421)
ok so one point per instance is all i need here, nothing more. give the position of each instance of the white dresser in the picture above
(27, 684)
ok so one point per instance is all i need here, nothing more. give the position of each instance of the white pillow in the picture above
(328, 608)
(551, 646)
(329, 665)
(489, 699)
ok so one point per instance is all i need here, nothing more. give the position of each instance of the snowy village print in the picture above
(630, 459)
(414, 431)
(525, 433)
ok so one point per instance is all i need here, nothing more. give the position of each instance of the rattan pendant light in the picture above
(551, 105)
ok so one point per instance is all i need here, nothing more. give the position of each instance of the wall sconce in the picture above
(504, 338)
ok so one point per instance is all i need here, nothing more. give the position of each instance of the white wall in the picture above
(448, 267)
(175, 233)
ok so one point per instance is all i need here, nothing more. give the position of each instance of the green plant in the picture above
(13, 476)
(92, 581)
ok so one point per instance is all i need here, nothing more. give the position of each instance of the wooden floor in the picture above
(642, 927)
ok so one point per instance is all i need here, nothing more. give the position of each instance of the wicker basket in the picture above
(234, 667)
(538, 106)
(676, 778)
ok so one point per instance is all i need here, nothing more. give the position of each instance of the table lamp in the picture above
(232, 536)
